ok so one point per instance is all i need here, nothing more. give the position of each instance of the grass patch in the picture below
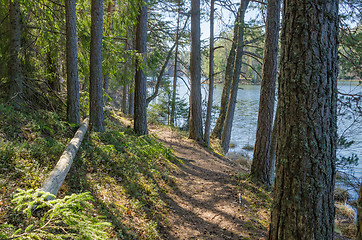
(255, 204)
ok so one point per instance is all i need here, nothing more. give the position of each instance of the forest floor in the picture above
(214, 199)
(211, 199)
(162, 186)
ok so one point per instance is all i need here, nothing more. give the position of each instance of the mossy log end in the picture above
(57, 176)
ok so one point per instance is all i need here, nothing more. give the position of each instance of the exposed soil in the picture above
(206, 201)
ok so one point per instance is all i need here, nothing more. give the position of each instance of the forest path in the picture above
(204, 203)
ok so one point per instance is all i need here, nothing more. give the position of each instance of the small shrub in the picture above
(67, 218)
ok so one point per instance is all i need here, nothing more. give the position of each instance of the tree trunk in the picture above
(124, 98)
(140, 109)
(15, 72)
(56, 177)
(273, 148)
(260, 167)
(306, 145)
(164, 66)
(54, 80)
(219, 125)
(160, 75)
(73, 105)
(96, 76)
(195, 131)
(173, 100)
(225, 140)
(211, 77)
(131, 98)
(105, 88)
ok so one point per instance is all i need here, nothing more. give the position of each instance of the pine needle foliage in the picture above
(67, 218)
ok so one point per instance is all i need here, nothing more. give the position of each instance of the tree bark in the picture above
(260, 167)
(73, 104)
(226, 135)
(15, 71)
(195, 131)
(306, 145)
(96, 76)
(140, 109)
(219, 125)
(211, 77)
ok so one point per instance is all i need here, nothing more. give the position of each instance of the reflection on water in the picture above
(246, 115)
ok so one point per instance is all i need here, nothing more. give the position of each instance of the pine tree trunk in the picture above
(195, 131)
(306, 145)
(219, 125)
(140, 105)
(260, 167)
(73, 105)
(211, 77)
(96, 76)
(226, 135)
(15, 71)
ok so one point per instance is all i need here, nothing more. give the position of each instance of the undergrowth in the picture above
(127, 175)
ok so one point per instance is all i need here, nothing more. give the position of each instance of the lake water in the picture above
(246, 114)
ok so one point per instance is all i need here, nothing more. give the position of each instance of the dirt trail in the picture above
(204, 203)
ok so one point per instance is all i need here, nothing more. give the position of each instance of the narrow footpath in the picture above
(208, 201)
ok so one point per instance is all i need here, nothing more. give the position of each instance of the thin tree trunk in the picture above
(273, 148)
(96, 76)
(15, 71)
(124, 98)
(260, 167)
(211, 77)
(307, 124)
(173, 100)
(219, 125)
(73, 105)
(140, 113)
(164, 66)
(195, 131)
(131, 98)
(105, 88)
(226, 135)
(132, 45)
(54, 70)
(160, 75)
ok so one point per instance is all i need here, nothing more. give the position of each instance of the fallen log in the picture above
(57, 176)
